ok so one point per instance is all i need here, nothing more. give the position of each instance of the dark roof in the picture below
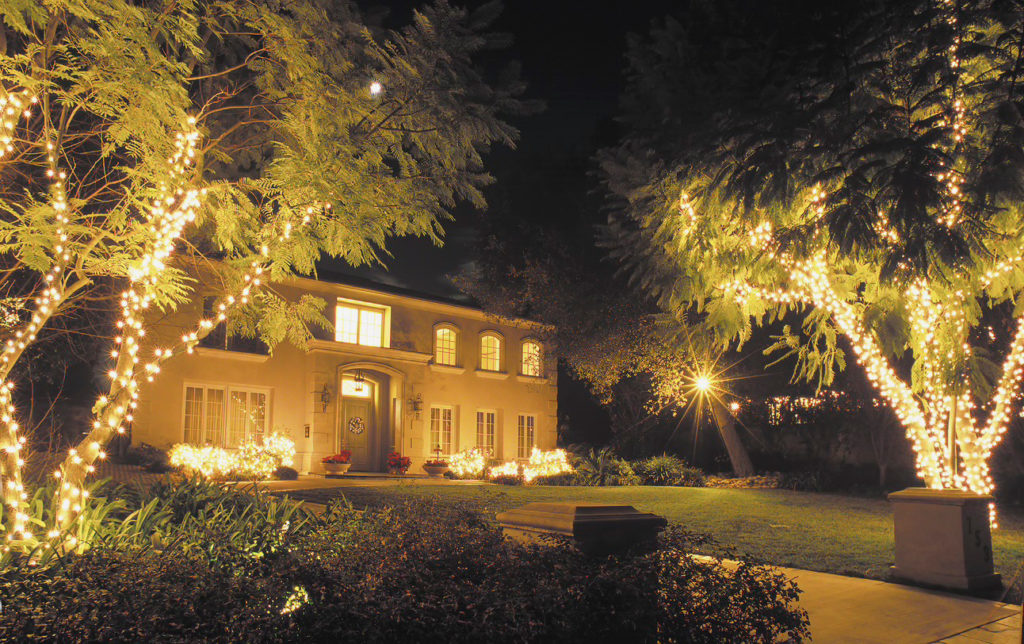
(454, 297)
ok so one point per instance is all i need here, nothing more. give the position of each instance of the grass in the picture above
(825, 532)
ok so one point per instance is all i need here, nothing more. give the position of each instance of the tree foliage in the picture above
(852, 170)
(174, 148)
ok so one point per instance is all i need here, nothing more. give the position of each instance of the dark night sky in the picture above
(572, 58)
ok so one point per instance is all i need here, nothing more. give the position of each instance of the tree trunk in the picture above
(738, 456)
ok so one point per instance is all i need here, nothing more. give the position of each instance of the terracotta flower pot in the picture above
(435, 471)
(336, 469)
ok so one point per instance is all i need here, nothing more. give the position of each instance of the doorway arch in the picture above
(381, 414)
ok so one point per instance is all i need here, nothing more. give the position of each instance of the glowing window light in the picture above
(445, 346)
(532, 361)
(490, 352)
(350, 387)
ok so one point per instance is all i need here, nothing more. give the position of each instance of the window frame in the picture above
(520, 426)
(522, 358)
(481, 415)
(500, 351)
(457, 341)
(449, 444)
(223, 432)
(361, 307)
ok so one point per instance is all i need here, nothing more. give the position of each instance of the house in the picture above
(399, 372)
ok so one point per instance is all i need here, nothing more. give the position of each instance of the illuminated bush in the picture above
(250, 461)
(549, 463)
(469, 464)
(541, 464)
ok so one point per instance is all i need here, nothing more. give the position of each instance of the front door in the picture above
(357, 431)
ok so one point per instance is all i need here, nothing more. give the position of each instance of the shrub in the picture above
(603, 467)
(507, 479)
(146, 456)
(668, 470)
(285, 473)
(413, 573)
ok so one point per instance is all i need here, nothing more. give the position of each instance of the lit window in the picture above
(223, 416)
(445, 341)
(531, 359)
(485, 425)
(527, 424)
(351, 387)
(359, 325)
(490, 352)
(247, 417)
(441, 430)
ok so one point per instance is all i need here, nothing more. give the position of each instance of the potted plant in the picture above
(398, 464)
(437, 466)
(337, 464)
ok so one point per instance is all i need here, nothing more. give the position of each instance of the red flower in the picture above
(398, 461)
(341, 457)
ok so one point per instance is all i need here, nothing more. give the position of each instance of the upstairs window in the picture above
(532, 362)
(358, 324)
(218, 337)
(490, 352)
(446, 346)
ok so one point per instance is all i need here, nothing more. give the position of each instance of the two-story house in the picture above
(398, 373)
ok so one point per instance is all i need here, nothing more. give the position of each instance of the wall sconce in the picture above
(416, 405)
(324, 396)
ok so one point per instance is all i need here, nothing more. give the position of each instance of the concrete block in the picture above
(943, 539)
(592, 527)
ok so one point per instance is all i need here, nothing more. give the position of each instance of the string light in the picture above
(252, 460)
(939, 324)
(540, 464)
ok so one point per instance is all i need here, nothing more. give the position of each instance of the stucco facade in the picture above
(371, 400)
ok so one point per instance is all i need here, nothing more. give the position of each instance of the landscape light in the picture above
(376, 88)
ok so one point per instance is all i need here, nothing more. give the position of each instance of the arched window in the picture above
(532, 359)
(490, 352)
(446, 345)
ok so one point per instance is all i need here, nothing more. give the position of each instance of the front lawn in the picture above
(826, 532)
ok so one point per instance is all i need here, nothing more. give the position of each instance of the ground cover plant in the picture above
(196, 561)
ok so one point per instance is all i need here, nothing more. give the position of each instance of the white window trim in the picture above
(386, 321)
(452, 447)
(535, 431)
(458, 345)
(502, 348)
(497, 430)
(228, 388)
(540, 356)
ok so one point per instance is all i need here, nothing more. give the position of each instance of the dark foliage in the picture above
(414, 573)
(285, 473)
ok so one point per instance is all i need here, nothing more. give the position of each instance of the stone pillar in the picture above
(592, 527)
(943, 538)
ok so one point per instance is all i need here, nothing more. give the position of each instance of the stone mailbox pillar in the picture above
(943, 538)
(592, 527)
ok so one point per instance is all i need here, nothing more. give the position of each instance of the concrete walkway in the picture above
(852, 610)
